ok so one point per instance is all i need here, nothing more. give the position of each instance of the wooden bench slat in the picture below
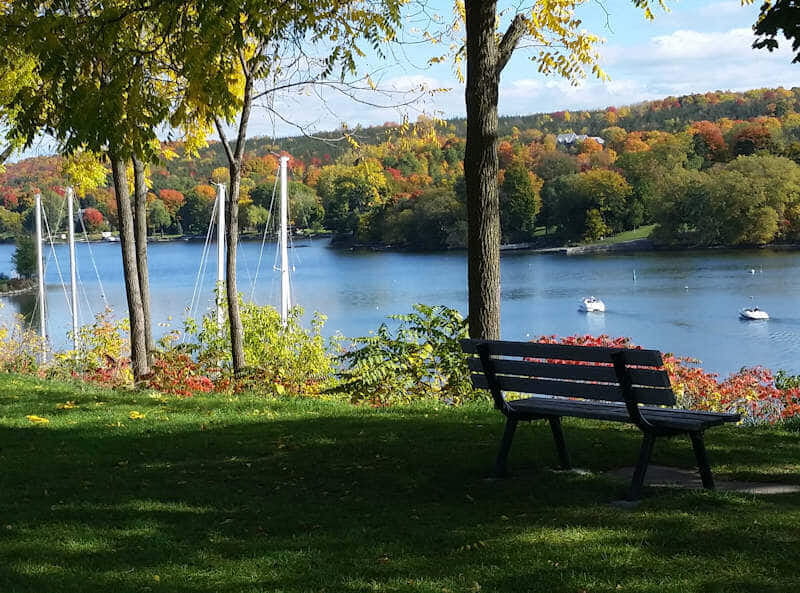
(564, 352)
(598, 391)
(647, 377)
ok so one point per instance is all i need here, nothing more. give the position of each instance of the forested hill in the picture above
(671, 114)
(713, 169)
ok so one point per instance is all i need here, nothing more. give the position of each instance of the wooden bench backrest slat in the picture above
(647, 377)
(596, 391)
(555, 370)
(650, 358)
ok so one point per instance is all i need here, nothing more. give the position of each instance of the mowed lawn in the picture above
(223, 495)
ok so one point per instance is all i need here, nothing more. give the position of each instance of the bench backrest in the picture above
(627, 375)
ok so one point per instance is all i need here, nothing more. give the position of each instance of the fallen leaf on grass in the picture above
(37, 419)
(134, 415)
(68, 405)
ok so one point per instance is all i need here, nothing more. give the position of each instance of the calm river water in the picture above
(686, 303)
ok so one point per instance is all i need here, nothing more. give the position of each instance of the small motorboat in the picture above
(753, 313)
(592, 305)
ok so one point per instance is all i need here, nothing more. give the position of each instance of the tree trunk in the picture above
(235, 160)
(232, 242)
(139, 363)
(480, 171)
(140, 231)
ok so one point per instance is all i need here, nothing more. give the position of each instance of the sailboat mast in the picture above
(284, 239)
(40, 268)
(72, 266)
(220, 251)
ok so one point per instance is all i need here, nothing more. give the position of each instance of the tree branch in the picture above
(6, 152)
(509, 41)
(224, 139)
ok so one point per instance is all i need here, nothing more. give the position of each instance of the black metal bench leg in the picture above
(501, 463)
(699, 447)
(645, 453)
(561, 445)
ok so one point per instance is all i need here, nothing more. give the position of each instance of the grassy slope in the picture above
(643, 232)
(248, 495)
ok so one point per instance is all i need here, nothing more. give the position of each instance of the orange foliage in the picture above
(173, 200)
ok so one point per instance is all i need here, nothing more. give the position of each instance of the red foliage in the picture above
(173, 200)
(712, 136)
(752, 391)
(395, 173)
(9, 198)
(92, 218)
(176, 374)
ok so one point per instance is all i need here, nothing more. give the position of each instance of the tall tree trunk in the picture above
(232, 292)
(480, 172)
(140, 232)
(235, 161)
(127, 242)
(485, 60)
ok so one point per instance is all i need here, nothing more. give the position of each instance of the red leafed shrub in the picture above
(177, 374)
(752, 392)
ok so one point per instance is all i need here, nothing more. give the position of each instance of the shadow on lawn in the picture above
(368, 502)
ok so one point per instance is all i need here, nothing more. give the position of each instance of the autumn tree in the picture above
(253, 50)
(92, 219)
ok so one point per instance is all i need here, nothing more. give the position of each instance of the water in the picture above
(686, 303)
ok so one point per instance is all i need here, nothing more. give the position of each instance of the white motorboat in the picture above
(753, 313)
(592, 305)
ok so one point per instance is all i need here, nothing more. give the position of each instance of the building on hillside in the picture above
(572, 138)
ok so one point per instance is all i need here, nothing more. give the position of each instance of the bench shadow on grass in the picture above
(366, 503)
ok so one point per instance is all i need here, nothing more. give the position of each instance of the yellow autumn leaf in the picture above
(68, 405)
(37, 419)
(134, 415)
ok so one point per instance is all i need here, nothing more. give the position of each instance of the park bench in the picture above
(614, 384)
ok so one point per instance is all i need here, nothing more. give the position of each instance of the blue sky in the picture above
(696, 47)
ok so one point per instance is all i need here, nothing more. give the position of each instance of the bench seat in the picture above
(538, 407)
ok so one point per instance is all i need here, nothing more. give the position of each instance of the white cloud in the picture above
(682, 62)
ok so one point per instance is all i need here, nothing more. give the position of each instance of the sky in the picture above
(698, 46)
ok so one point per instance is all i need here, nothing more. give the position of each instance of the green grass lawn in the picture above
(643, 232)
(222, 495)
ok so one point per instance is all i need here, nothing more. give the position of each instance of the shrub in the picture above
(174, 372)
(103, 354)
(752, 392)
(280, 359)
(422, 357)
(21, 348)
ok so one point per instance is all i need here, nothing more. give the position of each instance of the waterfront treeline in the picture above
(717, 168)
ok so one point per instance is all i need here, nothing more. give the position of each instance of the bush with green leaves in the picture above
(420, 358)
(103, 353)
(279, 359)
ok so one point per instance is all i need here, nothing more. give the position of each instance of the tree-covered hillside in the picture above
(707, 169)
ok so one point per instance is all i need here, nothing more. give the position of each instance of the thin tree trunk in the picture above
(480, 172)
(485, 60)
(235, 161)
(232, 242)
(140, 232)
(127, 242)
